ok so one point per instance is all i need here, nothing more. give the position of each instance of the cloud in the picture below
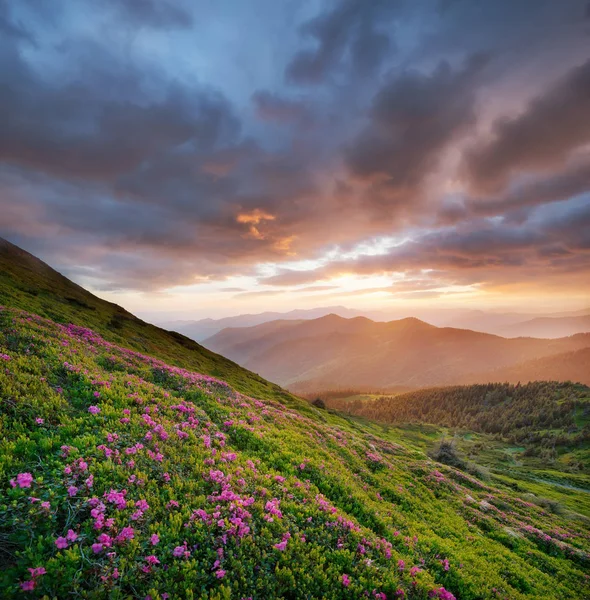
(288, 277)
(135, 155)
(549, 243)
(413, 118)
(272, 107)
(349, 32)
(569, 182)
(154, 13)
(541, 137)
(260, 293)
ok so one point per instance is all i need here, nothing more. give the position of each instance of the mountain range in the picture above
(508, 324)
(333, 352)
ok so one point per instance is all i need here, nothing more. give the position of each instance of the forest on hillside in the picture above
(541, 414)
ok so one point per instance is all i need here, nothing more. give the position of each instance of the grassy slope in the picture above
(30, 284)
(354, 500)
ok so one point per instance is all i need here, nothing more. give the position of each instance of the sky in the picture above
(203, 158)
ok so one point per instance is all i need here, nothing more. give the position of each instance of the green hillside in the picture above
(28, 283)
(123, 477)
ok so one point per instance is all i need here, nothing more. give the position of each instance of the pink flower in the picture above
(96, 548)
(220, 574)
(142, 505)
(401, 565)
(345, 580)
(39, 421)
(37, 571)
(283, 545)
(24, 480)
(45, 505)
(94, 410)
(96, 394)
(178, 551)
(61, 543)
(154, 539)
(72, 491)
(27, 586)
(152, 560)
(127, 533)
(71, 536)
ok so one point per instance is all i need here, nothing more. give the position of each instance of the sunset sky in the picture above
(215, 157)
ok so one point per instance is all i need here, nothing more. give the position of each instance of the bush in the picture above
(319, 403)
(447, 453)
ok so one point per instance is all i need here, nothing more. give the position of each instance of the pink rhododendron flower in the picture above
(71, 536)
(127, 533)
(94, 410)
(28, 586)
(345, 580)
(39, 421)
(220, 574)
(38, 571)
(24, 480)
(155, 539)
(61, 543)
(283, 544)
(152, 560)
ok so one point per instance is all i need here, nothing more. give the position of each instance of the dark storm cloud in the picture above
(347, 32)
(543, 136)
(105, 124)
(570, 182)
(412, 119)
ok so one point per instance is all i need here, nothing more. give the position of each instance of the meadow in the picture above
(125, 477)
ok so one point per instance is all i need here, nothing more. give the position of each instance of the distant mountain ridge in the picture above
(511, 324)
(332, 352)
(202, 329)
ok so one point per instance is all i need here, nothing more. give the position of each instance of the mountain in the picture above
(205, 328)
(332, 352)
(125, 477)
(548, 327)
(32, 285)
(567, 366)
(513, 324)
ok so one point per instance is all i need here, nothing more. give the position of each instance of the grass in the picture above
(271, 502)
(29, 284)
